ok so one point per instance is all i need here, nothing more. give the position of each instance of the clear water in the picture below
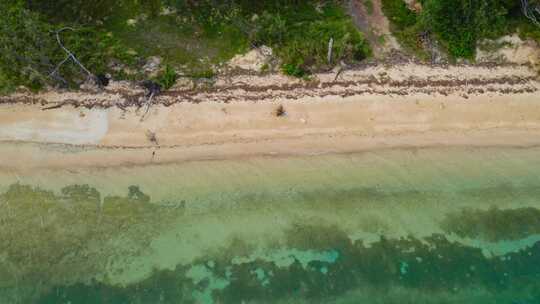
(458, 225)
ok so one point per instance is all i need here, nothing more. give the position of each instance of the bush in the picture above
(6, 85)
(27, 46)
(405, 26)
(398, 14)
(167, 78)
(368, 4)
(411, 39)
(298, 32)
(204, 73)
(300, 37)
(30, 52)
(459, 24)
(293, 70)
(88, 12)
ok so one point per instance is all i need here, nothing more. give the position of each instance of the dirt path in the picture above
(370, 19)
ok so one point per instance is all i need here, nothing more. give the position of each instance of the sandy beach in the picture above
(370, 108)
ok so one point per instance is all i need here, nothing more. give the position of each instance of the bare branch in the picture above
(330, 46)
(148, 104)
(530, 12)
(70, 55)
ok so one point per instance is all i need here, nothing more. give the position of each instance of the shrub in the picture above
(88, 12)
(298, 32)
(26, 46)
(459, 24)
(405, 26)
(411, 39)
(30, 52)
(293, 70)
(398, 14)
(204, 73)
(6, 85)
(368, 4)
(167, 78)
(300, 37)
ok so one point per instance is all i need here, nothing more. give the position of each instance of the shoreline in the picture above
(28, 156)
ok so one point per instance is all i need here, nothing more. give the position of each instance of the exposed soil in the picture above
(374, 24)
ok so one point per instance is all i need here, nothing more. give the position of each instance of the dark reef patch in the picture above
(407, 266)
(48, 238)
(45, 239)
(494, 224)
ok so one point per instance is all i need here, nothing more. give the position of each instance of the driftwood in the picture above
(56, 106)
(330, 47)
(152, 90)
(341, 69)
(148, 103)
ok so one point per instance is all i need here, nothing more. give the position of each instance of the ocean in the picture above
(430, 225)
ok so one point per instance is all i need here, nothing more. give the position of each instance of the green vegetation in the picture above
(167, 78)
(406, 26)
(368, 4)
(196, 37)
(31, 54)
(298, 31)
(458, 24)
(398, 13)
(190, 36)
(293, 70)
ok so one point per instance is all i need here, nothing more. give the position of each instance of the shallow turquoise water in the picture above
(454, 225)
